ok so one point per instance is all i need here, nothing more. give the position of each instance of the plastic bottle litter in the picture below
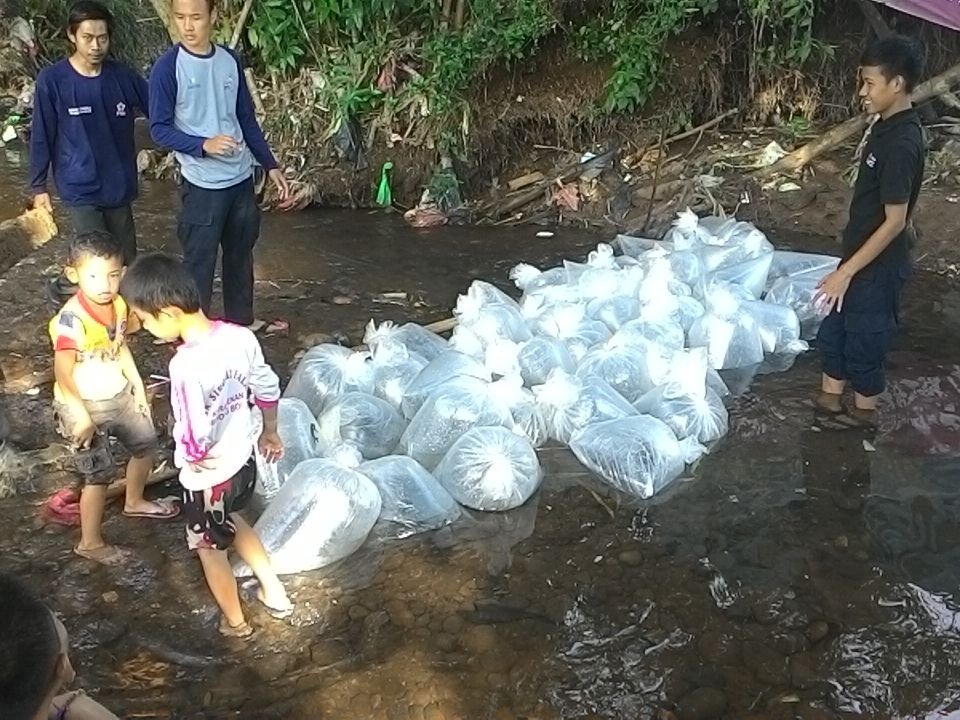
(300, 434)
(412, 499)
(321, 515)
(637, 455)
(326, 372)
(366, 422)
(490, 469)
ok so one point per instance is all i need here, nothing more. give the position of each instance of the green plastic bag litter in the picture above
(384, 194)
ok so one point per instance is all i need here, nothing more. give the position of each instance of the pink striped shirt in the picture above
(214, 381)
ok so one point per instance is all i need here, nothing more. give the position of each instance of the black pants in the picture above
(226, 220)
(854, 342)
(116, 221)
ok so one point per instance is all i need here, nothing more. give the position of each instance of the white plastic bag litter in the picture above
(490, 469)
(486, 294)
(570, 403)
(779, 327)
(322, 514)
(549, 286)
(412, 499)
(623, 365)
(539, 357)
(614, 312)
(665, 333)
(366, 422)
(449, 412)
(416, 338)
(491, 322)
(527, 416)
(638, 455)
(749, 274)
(787, 263)
(700, 416)
(328, 371)
(394, 368)
(300, 433)
(686, 232)
(439, 371)
(731, 336)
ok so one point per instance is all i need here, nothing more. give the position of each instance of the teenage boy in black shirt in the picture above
(862, 296)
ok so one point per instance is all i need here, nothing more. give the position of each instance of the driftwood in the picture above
(525, 181)
(933, 87)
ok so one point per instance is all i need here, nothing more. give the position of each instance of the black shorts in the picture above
(854, 341)
(209, 526)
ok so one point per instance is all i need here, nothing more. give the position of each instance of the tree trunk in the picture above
(162, 7)
(835, 136)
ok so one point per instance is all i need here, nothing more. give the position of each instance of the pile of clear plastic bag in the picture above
(618, 356)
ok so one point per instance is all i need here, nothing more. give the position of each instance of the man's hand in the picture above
(41, 201)
(271, 446)
(279, 181)
(220, 145)
(831, 290)
(84, 430)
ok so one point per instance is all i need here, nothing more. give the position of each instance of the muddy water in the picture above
(796, 572)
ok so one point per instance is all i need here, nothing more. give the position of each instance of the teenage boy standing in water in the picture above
(83, 130)
(862, 296)
(201, 108)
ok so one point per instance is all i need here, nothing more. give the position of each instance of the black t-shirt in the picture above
(891, 172)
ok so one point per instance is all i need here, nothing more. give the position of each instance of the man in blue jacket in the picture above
(83, 130)
(201, 108)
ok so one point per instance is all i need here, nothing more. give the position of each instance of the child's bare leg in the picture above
(138, 472)
(92, 502)
(249, 547)
(219, 575)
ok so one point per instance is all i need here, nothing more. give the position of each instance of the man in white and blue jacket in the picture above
(83, 130)
(201, 108)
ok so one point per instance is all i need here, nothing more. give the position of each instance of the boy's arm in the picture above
(265, 388)
(43, 136)
(894, 223)
(247, 117)
(130, 372)
(64, 361)
(162, 106)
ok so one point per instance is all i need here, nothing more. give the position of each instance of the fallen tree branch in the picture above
(241, 21)
(703, 127)
(933, 87)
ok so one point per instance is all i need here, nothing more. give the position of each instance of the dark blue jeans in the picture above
(226, 220)
(854, 342)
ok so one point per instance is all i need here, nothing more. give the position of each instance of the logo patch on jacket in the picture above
(121, 109)
(871, 160)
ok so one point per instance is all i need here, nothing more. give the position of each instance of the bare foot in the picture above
(148, 509)
(109, 555)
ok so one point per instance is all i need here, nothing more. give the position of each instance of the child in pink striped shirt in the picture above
(217, 372)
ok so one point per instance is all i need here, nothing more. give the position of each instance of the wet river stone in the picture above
(817, 631)
(702, 704)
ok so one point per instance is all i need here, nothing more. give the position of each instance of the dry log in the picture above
(23, 234)
(838, 134)
(525, 180)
